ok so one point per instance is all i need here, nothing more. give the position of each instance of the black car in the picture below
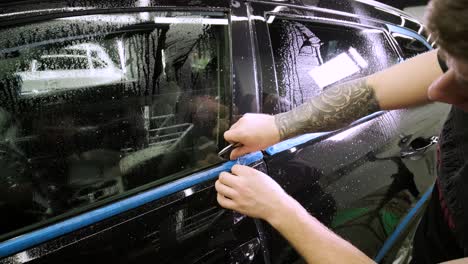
(401, 4)
(112, 114)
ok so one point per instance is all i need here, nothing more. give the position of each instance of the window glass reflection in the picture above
(95, 108)
(310, 57)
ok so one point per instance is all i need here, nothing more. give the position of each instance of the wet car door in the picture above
(369, 181)
(120, 167)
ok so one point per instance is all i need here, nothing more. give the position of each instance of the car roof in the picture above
(365, 9)
(22, 9)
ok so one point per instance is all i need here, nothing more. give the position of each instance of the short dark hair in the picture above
(447, 21)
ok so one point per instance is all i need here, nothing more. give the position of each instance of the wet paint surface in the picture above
(355, 181)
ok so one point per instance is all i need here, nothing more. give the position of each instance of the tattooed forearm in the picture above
(334, 108)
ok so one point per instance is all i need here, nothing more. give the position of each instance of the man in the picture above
(443, 232)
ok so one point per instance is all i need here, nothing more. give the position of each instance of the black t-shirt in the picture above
(434, 241)
(442, 232)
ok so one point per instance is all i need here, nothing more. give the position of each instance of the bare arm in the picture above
(457, 261)
(315, 242)
(332, 109)
(255, 194)
(401, 86)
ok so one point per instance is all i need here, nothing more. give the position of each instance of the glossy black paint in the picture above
(358, 167)
(368, 176)
(400, 4)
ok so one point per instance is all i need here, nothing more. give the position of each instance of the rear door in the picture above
(119, 168)
(369, 181)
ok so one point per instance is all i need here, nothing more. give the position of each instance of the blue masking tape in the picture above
(42, 235)
(289, 143)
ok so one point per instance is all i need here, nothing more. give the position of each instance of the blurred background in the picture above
(413, 7)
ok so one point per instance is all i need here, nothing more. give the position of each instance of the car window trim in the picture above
(35, 18)
(333, 12)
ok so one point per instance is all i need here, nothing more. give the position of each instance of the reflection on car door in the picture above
(359, 181)
(77, 66)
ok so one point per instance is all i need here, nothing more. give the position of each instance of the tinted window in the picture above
(95, 108)
(310, 57)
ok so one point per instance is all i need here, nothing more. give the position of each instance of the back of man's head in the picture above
(447, 21)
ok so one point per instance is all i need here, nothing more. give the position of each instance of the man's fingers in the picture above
(227, 179)
(225, 202)
(242, 170)
(232, 135)
(238, 152)
(225, 190)
(235, 125)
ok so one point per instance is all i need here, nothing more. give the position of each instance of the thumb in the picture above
(239, 151)
(231, 136)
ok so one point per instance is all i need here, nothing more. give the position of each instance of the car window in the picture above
(95, 108)
(309, 57)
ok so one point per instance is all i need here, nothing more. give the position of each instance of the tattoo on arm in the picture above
(332, 109)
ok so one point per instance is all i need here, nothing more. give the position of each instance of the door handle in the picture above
(418, 147)
(245, 253)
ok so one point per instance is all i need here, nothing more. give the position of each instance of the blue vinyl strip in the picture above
(402, 226)
(42, 235)
(289, 143)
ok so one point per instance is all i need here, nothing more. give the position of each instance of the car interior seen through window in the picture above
(98, 107)
(309, 57)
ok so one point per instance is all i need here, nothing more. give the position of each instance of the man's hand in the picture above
(250, 192)
(255, 194)
(254, 131)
